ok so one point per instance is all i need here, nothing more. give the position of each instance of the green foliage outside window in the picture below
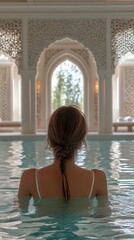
(67, 85)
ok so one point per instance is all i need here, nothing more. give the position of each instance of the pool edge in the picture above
(42, 136)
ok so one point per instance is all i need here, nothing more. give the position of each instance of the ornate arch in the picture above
(49, 59)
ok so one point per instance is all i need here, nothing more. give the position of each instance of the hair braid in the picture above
(65, 185)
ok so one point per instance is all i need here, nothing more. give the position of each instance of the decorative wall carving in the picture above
(84, 53)
(95, 109)
(57, 52)
(38, 117)
(90, 32)
(11, 39)
(3, 93)
(129, 91)
(122, 38)
(49, 53)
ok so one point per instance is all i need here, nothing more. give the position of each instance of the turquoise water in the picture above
(78, 220)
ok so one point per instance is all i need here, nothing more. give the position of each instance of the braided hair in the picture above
(66, 133)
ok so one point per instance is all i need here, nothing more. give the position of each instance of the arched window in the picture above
(67, 85)
(68, 68)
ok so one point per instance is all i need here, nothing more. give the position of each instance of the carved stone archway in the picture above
(49, 59)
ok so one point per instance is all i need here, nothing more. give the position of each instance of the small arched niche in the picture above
(50, 59)
(10, 90)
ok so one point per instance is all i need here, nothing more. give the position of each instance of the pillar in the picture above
(28, 105)
(33, 104)
(105, 116)
(108, 104)
(101, 104)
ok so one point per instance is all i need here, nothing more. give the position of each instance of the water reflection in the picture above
(115, 157)
(56, 219)
(115, 153)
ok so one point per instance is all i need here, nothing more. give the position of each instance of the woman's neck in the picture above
(69, 162)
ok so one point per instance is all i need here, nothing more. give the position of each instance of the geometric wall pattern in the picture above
(84, 53)
(122, 38)
(38, 114)
(89, 32)
(11, 39)
(3, 93)
(129, 91)
(122, 43)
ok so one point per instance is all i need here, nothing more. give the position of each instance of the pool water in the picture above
(77, 220)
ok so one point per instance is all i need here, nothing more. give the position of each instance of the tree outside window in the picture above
(67, 85)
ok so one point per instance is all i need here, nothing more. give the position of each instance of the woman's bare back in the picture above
(47, 182)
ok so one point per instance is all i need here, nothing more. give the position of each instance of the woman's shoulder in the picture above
(28, 173)
(99, 174)
(99, 171)
(101, 182)
(32, 171)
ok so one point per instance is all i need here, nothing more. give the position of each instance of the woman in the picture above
(63, 179)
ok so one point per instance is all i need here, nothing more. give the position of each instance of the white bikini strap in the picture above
(92, 185)
(37, 185)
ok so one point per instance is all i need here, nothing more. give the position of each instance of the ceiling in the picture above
(67, 1)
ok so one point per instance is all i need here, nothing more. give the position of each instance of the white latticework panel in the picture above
(38, 110)
(122, 36)
(3, 93)
(49, 53)
(11, 39)
(129, 91)
(90, 32)
(95, 109)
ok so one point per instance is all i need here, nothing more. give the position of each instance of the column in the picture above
(108, 80)
(33, 104)
(122, 90)
(108, 104)
(28, 89)
(28, 105)
(101, 104)
(26, 109)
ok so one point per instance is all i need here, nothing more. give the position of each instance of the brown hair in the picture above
(66, 133)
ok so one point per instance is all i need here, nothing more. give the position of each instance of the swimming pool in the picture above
(115, 157)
